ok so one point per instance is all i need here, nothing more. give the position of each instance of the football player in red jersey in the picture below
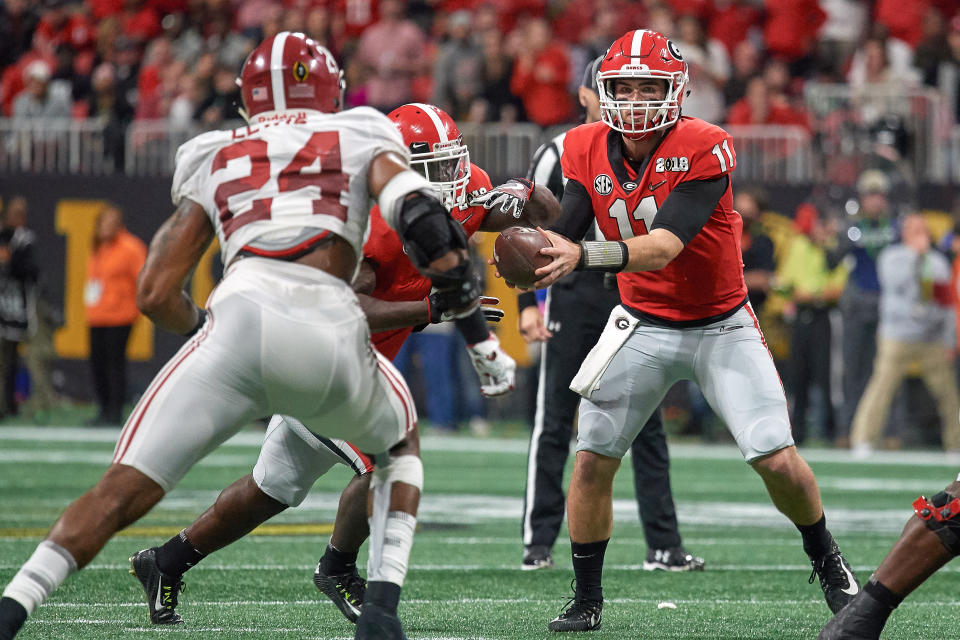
(658, 185)
(395, 298)
(288, 197)
(930, 540)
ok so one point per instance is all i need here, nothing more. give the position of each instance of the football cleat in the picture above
(578, 615)
(162, 591)
(836, 578)
(377, 623)
(536, 556)
(857, 621)
(346, 590)
(673, 559)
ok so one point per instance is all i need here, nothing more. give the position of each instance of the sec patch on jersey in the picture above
(517, 255)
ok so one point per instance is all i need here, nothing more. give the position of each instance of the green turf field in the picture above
(465, 581)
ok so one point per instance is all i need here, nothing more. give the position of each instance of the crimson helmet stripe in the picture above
(276, 70)
(431, 112)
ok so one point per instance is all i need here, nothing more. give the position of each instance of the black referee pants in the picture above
(108, 361)
(577, 313)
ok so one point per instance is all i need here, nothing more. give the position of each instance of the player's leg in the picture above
(190, 408)
(630, 388)
(544, 501)
(394, 499)
(930, 540)
(738, 378)
(650, 459)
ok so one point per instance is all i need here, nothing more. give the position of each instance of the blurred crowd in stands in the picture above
(481, 60)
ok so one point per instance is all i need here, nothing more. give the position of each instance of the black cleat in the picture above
(346, 590)
(377, 623)
(578, 615)
(162, 591)
(12, 617)
(673, 559)
(536, 556)
(859, 620)
(836, 578)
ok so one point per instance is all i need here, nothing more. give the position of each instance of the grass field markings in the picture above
(814, 600)
(518, 446)
(460, 568)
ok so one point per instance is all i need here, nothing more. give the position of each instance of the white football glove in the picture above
(496, 369)
(510, 197)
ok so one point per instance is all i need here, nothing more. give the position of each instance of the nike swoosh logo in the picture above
(581, 557)
(853, 589)
(658, 185)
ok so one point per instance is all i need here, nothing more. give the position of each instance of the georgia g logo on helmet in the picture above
(642, 55)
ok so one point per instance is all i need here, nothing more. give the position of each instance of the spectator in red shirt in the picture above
(757, 107)
(903, 20)
(732, 21)
(62, 24)
(790, 31)
(540, 76)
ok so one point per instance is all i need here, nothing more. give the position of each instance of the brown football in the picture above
(516, 253)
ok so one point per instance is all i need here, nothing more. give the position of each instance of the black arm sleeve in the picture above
(577, 213)
(526, 299)
(474, 327)
(689, 206)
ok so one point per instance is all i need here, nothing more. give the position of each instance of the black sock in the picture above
(882, 594)
(335, 562)
(385, 595)
(816, 539)
(588, 568)
(177, 555)
(12, 617)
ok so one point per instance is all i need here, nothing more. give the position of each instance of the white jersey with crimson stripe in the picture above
(289, 177)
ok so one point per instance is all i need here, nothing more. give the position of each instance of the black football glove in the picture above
(510, 197)
(440, 313)
(456, 292)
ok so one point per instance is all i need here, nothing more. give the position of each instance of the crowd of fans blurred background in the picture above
(481, 60)
(812, 272)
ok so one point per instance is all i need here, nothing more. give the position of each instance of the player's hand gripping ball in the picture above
(517, 255)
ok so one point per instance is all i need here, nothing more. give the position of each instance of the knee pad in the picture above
(940, 514)
(765, 436)
(407, 469)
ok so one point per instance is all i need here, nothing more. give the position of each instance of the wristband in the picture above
(201, 318)
(609, 255)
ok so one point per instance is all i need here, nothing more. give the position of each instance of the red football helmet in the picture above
(290, 71)
(641, 54)
(436, 149)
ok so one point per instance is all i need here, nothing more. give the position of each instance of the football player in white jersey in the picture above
(288, 198)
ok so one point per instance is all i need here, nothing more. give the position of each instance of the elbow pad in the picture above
(427, 230)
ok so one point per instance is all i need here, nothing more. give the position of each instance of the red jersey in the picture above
(706, 278)
(397, 278)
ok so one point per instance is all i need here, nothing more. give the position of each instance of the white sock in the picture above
(394, 550)
(46, 570)
(391, 532)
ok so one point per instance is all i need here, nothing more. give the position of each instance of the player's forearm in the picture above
(640, 253)
(383, 315)
(176, 312)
